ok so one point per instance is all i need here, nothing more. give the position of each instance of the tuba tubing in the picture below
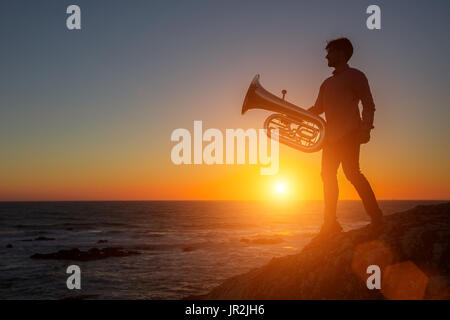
(298, 128)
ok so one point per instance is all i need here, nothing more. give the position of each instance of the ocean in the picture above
(188, 247)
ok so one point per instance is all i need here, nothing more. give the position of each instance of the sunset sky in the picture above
(88, 115)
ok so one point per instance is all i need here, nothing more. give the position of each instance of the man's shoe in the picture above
(328, 230)
(335, 228)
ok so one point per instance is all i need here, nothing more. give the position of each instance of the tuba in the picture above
(297, 128)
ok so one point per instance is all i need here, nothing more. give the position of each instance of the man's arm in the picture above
(317, 108)
(364, 94)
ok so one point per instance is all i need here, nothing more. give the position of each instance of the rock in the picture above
(41, 238)
(263, 241)
(188, 249)
(9, 245)
(92, 254)
(102, 241)
(82, 297)
(412, 250)
(44, 239)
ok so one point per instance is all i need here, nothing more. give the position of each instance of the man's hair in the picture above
(341, 44)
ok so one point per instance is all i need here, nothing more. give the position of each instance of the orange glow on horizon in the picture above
(298, 179)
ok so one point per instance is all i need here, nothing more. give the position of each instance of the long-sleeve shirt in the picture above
(339, 98)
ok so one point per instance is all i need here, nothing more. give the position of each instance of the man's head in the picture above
(339, 52)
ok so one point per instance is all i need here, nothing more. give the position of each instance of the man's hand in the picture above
(364, 134)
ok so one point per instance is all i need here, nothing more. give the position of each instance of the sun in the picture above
(280, 187)
(281, 190)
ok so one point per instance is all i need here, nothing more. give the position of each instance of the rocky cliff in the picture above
(412, 251)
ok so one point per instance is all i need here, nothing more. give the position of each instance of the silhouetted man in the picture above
(339, 98)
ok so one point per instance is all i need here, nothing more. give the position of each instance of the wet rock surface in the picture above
(44, 239)
(41, 238)
(263, 241)
(92, 254)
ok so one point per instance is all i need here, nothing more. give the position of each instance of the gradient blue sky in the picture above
(82, 111)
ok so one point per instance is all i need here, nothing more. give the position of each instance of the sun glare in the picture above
(280, 188)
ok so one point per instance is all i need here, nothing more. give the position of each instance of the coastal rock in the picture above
(81, 297)
(44, 239)
(92, 254)
(41, 238)
(263, 241)
(9, 246)
(412, 250)
(102, 241)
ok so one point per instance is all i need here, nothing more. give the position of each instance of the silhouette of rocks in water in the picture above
(412, 250)
(41, 238)
(263, 241)
(92, 254)
(82, 297)
(102, 241)
(44, 239)
(9, 245)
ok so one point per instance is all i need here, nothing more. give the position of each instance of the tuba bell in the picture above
(297, 128)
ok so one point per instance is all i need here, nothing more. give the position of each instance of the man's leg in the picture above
(350, 165)
(330, 165)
